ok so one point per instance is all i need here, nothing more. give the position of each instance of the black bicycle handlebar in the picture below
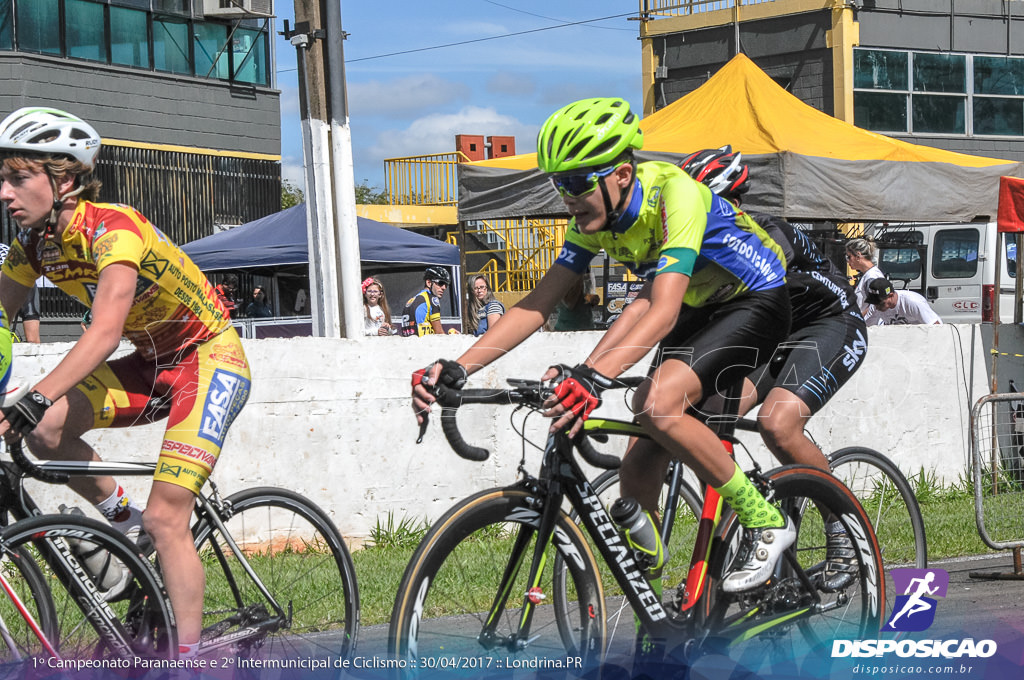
(530, 393)
(33, 470)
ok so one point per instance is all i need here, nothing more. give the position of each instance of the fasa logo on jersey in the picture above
(914, 610)
(228, 394)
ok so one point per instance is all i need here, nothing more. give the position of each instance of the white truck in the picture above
(952, 265)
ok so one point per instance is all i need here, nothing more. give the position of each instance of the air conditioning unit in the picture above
(238, 9)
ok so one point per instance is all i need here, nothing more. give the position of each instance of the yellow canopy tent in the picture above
(804, 164)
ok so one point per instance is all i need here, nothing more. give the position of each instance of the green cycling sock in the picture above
(750, 506)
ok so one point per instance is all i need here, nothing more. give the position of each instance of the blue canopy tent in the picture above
(280, 242)
(281, 239)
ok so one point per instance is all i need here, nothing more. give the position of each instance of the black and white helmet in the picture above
(39, 130)
(720, 169)
(437, 275)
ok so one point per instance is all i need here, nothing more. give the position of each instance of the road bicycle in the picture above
(279, 578)
(507, 577)
(62, 611)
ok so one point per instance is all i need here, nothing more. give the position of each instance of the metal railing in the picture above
(423, 180)
(997, 453)
(676, 8)
(527, 247)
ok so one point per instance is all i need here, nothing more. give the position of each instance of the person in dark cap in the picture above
(891, 307)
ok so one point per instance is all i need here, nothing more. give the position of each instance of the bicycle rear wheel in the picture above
(778, 625)
(300, 557)
(889, 502)
(28, 583)
(476, 560)
(137, 622)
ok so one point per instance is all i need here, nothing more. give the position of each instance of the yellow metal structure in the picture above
(423, 180)
(528, 247)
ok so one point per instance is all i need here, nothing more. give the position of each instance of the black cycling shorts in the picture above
(722, 342)
(816, 360)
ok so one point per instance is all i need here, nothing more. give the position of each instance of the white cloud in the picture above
(436, 133)
(403, 96)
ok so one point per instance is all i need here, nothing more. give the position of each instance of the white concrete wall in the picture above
(331, 419)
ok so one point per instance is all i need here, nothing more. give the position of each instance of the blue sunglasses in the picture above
(580, 184)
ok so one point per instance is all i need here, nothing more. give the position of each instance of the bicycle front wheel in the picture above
(463, 592)
(118, 612)
(298, 555)
(777, 625)
(889, 502)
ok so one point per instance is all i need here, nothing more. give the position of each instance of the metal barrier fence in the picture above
(675, 8)
(997, 452)
(423, 180)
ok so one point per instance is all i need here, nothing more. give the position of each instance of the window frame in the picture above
(969, 97)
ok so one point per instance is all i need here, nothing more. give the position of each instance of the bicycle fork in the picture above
(546, 503)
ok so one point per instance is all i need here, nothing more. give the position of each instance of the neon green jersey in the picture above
(674, 224)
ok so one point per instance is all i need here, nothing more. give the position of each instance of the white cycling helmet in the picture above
(50, 131)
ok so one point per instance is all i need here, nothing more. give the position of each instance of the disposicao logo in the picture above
(914, 610)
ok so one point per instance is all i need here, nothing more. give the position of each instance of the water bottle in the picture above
(641, 533)
(111, 577)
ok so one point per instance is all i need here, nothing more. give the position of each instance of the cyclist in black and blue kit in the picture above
(714, 299)
(826, 345)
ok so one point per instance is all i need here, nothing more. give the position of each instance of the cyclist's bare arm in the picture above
(12, 296)
(115, 293)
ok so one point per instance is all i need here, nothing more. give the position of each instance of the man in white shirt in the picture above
(891, 307)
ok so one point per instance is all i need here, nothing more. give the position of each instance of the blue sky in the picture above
(411, 104)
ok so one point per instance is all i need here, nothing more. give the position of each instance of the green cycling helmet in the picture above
(586, 134)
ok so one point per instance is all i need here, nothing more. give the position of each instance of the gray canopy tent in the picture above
(804, 164)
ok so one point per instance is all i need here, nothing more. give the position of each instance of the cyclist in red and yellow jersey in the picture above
(139, 285)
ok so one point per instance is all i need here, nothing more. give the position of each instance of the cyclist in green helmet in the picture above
(714, 303)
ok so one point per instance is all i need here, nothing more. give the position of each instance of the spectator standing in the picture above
(259, 308)
(422, 313)
(484, 308)
(376, 315)
(862, 256)
(891, 307)
(226, 292)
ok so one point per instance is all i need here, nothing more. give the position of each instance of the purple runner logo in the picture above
(914, 610)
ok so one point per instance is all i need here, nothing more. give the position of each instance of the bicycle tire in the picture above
(621, 628)
(454, 578)
(302, 560)
(889, 503)
(141, 617)
(782, 643)
(29, 584)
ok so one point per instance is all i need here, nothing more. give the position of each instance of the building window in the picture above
(171, 45)
(211, 52)
(1004, 114)
(129, 37)
(85, 30)
(6, 25)
(933, 93)
(148, 34)
(36, 22)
